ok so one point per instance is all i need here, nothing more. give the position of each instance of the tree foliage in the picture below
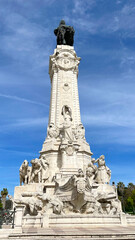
(4, 192)
(1, 204)
(127, 196)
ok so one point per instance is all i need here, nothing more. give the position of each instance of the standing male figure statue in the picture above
(65, 34)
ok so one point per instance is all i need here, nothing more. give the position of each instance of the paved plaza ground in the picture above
(100, 232)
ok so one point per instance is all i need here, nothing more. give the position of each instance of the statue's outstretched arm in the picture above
(56, 31)
(96, 160)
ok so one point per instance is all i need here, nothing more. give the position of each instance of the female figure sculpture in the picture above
(103, 173)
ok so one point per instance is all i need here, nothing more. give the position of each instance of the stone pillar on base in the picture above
(123, 219)
(19, 216)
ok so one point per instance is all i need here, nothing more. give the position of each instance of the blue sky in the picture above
(105, 41)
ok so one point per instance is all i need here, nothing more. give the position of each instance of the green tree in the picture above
(131, 186)
(1, 206)
(130, 204)
(121, 190)
(127, 196)
(4, 192)
(133, 197)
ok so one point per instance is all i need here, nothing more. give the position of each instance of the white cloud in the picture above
(108, 111)
(107, 119)
(22, 99)
(15, 152)
(25, 123)
(30, 4)
(31, 122)
(23, 39)
(121, 19)
(80, 7)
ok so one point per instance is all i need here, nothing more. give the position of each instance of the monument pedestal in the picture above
(75, 221)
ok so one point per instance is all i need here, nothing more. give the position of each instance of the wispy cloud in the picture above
(18, 153)
(24, 39)
(108, 110)
(121, 18)
(81, 7)
(114, 107)
(22, 99)
(24, 123)
(108, 120)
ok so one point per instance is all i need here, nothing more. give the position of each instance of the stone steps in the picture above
(72, 237)
(95, 233)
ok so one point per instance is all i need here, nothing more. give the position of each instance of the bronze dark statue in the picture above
(65, 34)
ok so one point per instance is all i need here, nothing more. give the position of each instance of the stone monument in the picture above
(65, 185)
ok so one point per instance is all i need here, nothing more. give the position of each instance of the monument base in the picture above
(76, 220)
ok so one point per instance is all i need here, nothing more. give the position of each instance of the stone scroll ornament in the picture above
(65, 34)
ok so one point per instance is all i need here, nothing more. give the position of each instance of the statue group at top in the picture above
(65, 34)
(65, 179)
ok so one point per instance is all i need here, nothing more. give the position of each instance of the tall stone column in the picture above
(63, 70)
